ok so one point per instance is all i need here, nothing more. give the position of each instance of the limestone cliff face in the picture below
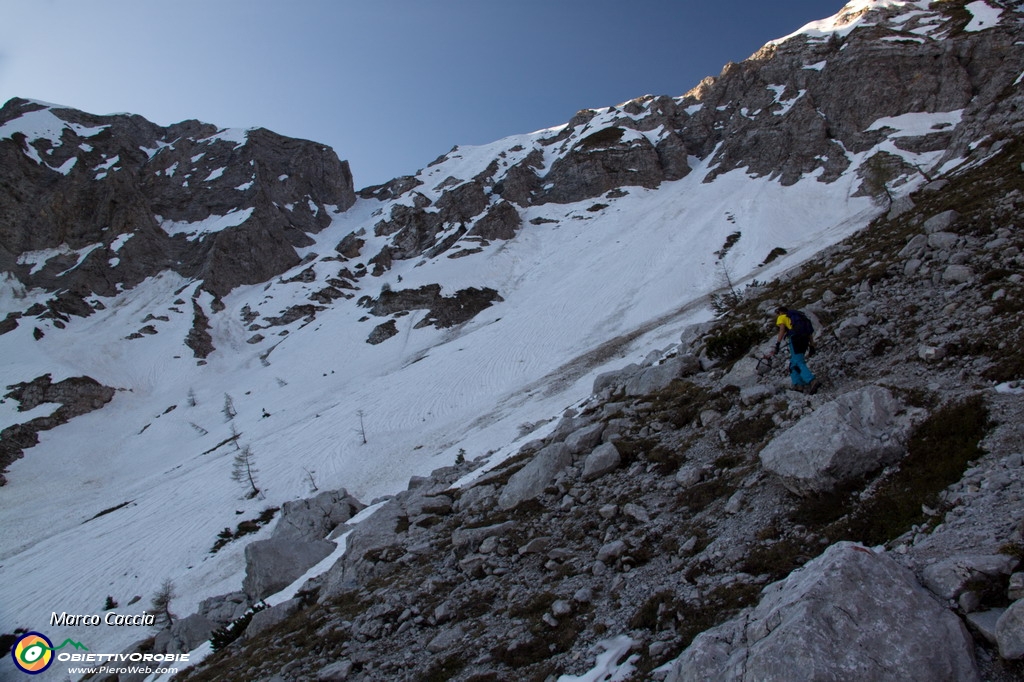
(88, 202)
(825, 101)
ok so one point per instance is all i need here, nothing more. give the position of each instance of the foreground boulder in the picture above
(855, 434)
(850, 614)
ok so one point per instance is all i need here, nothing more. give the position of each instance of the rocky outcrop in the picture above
(833, 619)
(442, 311)
(271, 565)
(637, 379)
(501, 221)
(75, 396)
(314, 518)
(603, 160)
(532, 479)
(110, 200)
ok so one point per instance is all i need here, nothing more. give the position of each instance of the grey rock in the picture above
(307, 176)
(339, 671)
(76, 396)
(382, 332)
(271, 565)
(604, 459)
(224, 608)
(446, 639)
(530, 481)
(949, 577)
(314, 518)
(985, 623)
(501, 221)
(857, 433)
(819, 622)
(658, 377)
(852, 326)
(1015, 590)
(969, 601)
(1010, 632)
(914, 248)
(268, 618)
(903, 204)
(957, 274)
(689, 475)
(584, 439)
(752, 395)
(536, 545)
(186, 634)
(710, 417)
(941, 222)
(614, 378)
(636, 512)
(561, 607)
(942, 241)
(611, 551)
(466, 537)
(584, 595)
(743, 374)
(931, 353)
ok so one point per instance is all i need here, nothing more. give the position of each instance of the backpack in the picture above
(801, 324)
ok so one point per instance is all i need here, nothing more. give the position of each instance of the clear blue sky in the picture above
(389, 84)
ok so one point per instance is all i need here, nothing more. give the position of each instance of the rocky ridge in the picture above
(657, 510)
(799, 107)
(93, 203)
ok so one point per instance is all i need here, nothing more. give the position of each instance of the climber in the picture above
(797, 328)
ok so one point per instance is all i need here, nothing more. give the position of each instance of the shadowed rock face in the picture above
(119, 199)
(75, 395)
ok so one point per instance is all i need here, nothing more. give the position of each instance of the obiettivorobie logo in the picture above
(33, 652)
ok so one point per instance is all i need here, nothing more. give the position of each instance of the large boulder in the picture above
(855, 434)
(271, 565)
(604, 459)
(315, 517)
(850, 614)
(657, 377)
(530, 481)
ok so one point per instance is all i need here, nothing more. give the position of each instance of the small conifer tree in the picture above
(244, 471)
(161, 604)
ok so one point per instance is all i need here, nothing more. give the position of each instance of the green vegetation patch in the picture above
(750, 430)
(729, 345)
(247, 527)
(680, 403)
(939, 451)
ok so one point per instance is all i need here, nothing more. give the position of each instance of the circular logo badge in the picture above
(32, 653)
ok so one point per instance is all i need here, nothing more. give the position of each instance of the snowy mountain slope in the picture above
(625, 258)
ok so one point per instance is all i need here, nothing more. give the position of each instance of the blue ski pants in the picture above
(799, 372)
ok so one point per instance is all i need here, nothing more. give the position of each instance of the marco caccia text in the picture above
(113, 618)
